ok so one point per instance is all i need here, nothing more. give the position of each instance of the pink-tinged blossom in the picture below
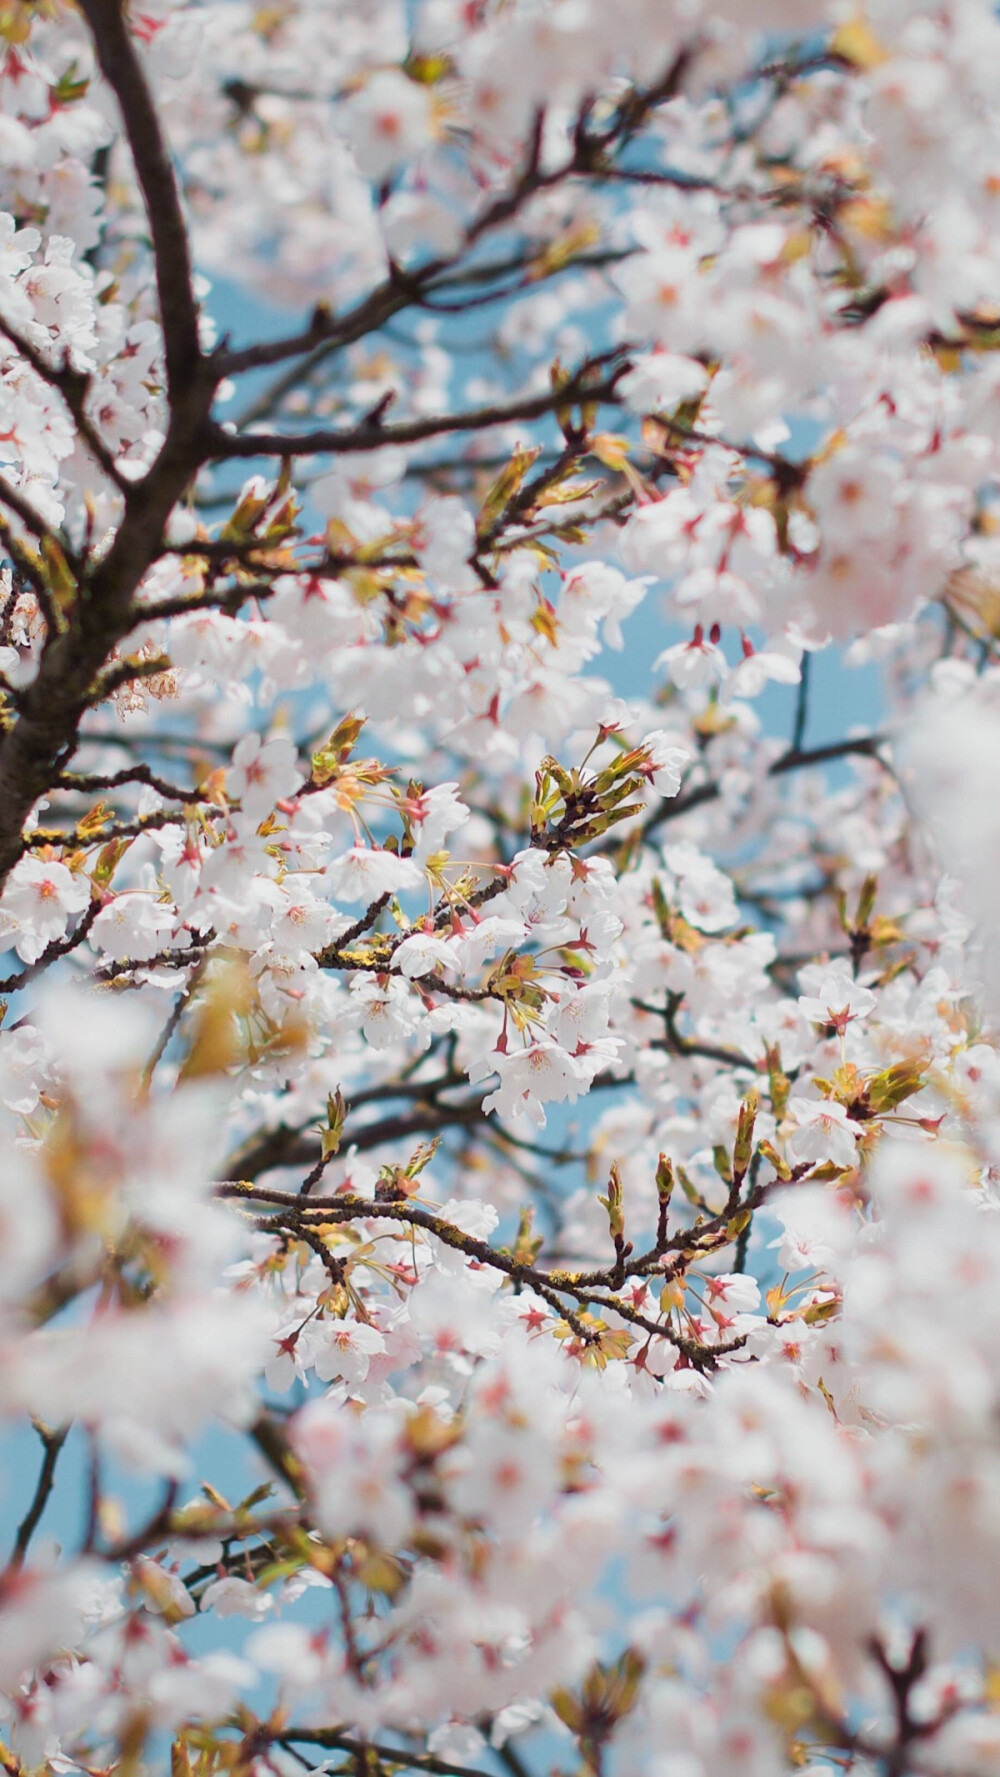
(539, 884)
(133, 925)
(504, 1474)
(661, 381)
(29, 1226)
(779, 665)
(853, 495)
(164, 1593)
(424, 954)
(385, 1008)
(344, 1351)
(365, 872)
(531, 1077)
(705, 895)
(694, 663)
(388, 122)
(453, 1315)
(817, 1228)
(433, 815)
(43, 1613)
(598, 594)
(291, 1652)
(479, 942)
(667, 762)
(147, 1380)
(951, 754)
(235, 1597)
(445, 539)
(836, 997)
(300, 923)
(25, 1068)
(39, 899)
(823, 1132)
(354, 1472)
(263, 772)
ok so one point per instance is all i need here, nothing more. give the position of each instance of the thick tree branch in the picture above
(37, 747)
(123, 71)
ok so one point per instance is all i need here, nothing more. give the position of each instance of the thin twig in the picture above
(52, 1443)
(222, 445)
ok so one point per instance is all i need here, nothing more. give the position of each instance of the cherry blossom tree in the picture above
(499, 1240)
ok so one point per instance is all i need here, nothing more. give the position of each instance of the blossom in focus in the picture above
(823, 1132)
(263, 772)
(38, 901)
(836, 997)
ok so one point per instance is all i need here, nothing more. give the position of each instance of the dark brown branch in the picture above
(42, 740)
(690, 1046)
(126, 672)
(222, 444)
(229, 600)
(123, 71)
(29, 568)
(52, 1443)
(128, 973)
(325, 334)
(123, 829)
(801, 707)
(866, 746)
(295, 1213)
(85, 781)
(179, 1008)
(509, 1756)
(392, 1755)
(155, 1529)
(299, 1147)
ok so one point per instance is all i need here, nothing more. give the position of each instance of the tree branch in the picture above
(123, 71)
(85, 781)
(393, 1755)
(863, 746)
(52, 1443)
(295, 1215)
(365, 437)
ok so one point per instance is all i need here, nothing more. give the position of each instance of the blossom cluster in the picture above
(498, 1239)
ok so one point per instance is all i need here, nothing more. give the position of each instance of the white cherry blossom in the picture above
(420, 707)
(262, 773)
(823, 1132)
(836, 997)
(38, 901)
